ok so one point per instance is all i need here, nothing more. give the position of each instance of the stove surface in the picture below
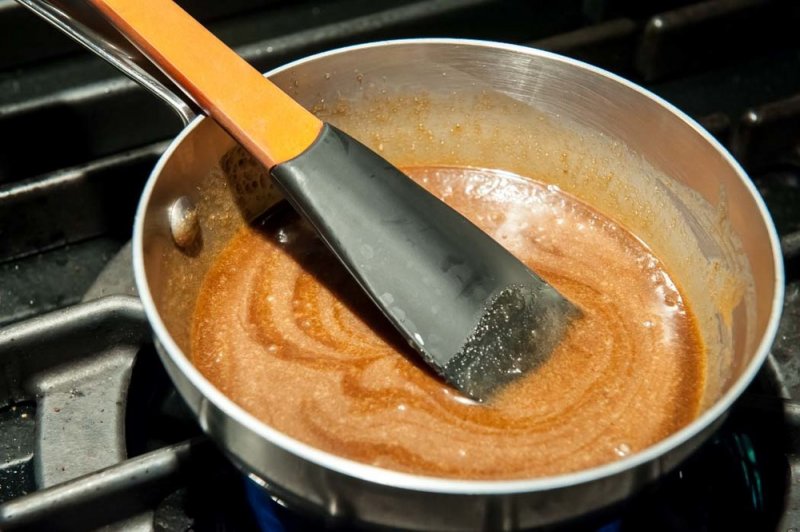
(92, 432)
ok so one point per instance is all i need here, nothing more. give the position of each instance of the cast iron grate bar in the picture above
(76, 363)
(74, 204)
(599, 10)
(52, 279)
(16, 450)
(609, 45)
(790, 246)
(707, 34)
(114, 493)
(769, 135)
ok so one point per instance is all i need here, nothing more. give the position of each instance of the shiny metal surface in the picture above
(652, 129)
(81, 22)
(183, 222)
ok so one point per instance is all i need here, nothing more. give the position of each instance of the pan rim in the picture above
(441, 485)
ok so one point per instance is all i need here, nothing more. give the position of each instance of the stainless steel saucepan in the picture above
(437, 101)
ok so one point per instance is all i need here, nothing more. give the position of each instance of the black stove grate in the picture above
(77, 371)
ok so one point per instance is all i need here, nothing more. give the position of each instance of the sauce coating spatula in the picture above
(477, 315)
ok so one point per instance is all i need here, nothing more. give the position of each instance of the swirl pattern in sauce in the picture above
(282, 330)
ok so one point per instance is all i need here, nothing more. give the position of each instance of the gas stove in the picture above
(92, 432)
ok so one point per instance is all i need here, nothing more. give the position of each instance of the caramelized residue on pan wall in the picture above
(282, 330)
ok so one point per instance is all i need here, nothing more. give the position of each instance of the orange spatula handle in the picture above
(263, 118)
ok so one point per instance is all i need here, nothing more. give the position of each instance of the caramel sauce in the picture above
(282, 330)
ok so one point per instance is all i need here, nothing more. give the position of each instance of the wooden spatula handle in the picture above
(263, 118)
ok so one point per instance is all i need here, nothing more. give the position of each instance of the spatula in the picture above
(475, 313)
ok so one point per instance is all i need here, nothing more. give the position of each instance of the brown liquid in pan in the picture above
(282, 330)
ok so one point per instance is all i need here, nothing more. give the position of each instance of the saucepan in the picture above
(616, 146)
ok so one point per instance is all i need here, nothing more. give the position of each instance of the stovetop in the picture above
(92, 432)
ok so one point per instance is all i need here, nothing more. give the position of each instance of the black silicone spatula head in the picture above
(477, 314)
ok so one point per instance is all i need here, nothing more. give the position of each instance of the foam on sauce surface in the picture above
(282, 330)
